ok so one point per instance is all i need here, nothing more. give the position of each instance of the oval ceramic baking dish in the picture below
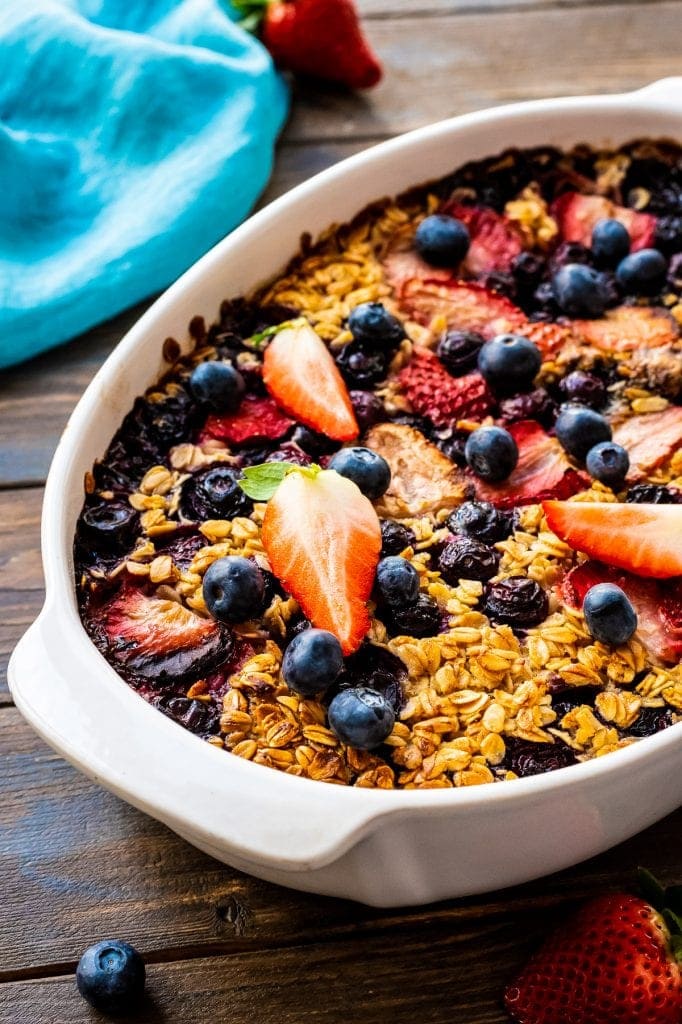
(383, 848)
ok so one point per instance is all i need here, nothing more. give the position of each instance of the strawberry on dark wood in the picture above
(650, 439)
(643, 539)
(658, 606)
(577, 214)
(435, 393)
(256, 420)
(627, 328)
(462, 305)
(495, 240)
(542, 471)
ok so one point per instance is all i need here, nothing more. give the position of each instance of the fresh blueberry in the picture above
(509, 363)
(481, 520)
(110, 976)
(397, 581)
(312, 661)
(491, 453)
(395, 537)
(420, 619)
(580, 290)
(579, 429)
(366, 468)
(110, 526)
(458, 351)
(609, 614)
(441, 240)
(610, 242)
(464, 558)
(584, 388)
(361, 718)
(234, 589)
(608, 462)
(643, 272)
(373, 326)
(360, 367)
(217, 385)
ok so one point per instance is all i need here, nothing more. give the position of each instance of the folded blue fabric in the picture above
(133, 135)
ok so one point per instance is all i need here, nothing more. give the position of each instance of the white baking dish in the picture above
(383, 848)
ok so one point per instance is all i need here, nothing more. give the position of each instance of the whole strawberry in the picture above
(321, 38)
(615, 962)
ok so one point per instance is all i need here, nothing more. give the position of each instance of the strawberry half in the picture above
(161, 640)
(257, 419)
(612, 963)
(322, 538)
(658, 605)
(543, 471)
(435, 393)
(463, 305)
(650, 439)
(629, 327)
(577, 214)
(495, 240)
(644, 539)
(302, 377)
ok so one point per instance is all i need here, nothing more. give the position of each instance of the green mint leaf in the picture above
(260, 482)
(651, 889)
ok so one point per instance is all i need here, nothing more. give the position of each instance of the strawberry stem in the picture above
(252, 13)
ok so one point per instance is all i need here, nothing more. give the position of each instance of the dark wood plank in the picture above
(21, 574)
(370, 9)
(95, 866)
(445, 65)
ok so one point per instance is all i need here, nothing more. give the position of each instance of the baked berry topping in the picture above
(442, 240)
(584, 389)
(444, 399)
(524, 757)
(312, 442)
(610, 242)
(464, 558)
(217, 385)
(650, 721)
(111, 526)
(360, 367)
(608, 462)
(628, 328)
(579, 429)
(578, 214)
(373, 326)
(464, 305)
(395, 537)
(200, 717)
(312, 662)
(609, 614)
(643, 272)
(509, 363)
(481, 521)
(361, 718)
(653, 494)
(458, 351)
(518, 602)
(669, 235)
(368, 470)
(580, 290)
(234, 589)
(213, 493)
(397, 582)
(650, 439)
(420, 619)
(491, 453)
(257, 419)
(368, 409)
(534, 405)
(375, 668)
(494, 240)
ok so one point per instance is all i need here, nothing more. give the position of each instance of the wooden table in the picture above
(76, 864)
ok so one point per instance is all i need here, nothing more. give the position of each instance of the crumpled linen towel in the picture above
(133, 135)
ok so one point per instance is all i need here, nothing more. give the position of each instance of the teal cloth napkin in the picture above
(133, 135)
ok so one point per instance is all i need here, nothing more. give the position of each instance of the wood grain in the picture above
(21, 574)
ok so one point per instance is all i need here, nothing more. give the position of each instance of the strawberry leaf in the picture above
(260, 482)
(676, 946)
(673, 921)
(256, 340)
(651, 889)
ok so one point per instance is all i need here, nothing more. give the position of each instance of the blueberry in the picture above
(458, 351)
(373, 326)
(610, 242)
(395, 537)
(366, 468)
(533, 405)
(527, 269)
(234, 589)
(441, 240)
(420, 619)
(585, 388)
(361, 718)
(643, 272)
(608, 462)
(481, 520)
(518, 602)
(360, 367)
(491, 453)
(579, 429)
(653, 494)
(213, 493)
(464, 558)
(580, 290)
(650, 721)
(312, 662)
(368, 409)
(110, 526)
(526, 757)
(110, 976)
(669, 235)
(609, 614)
(570, 252)
(201, 718)
(217, 385)
(509, 363)
(397, 581)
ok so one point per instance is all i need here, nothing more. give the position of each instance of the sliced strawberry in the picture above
(159, 639)
(433, 392)
(550, 338)
(322, 538)
(463, 305)
(629, 327)
(302, 377)
(256, 419)
(577, 214)
(543, 471)
(650, 439)
(644, 539)
(406, 265)
(658, 605)
(495, 240)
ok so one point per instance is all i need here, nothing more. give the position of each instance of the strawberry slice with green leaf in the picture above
(322, 538)
(643, 539)
(303, 379)
(577, 214)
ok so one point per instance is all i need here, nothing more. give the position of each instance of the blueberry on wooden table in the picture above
(110, 976)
